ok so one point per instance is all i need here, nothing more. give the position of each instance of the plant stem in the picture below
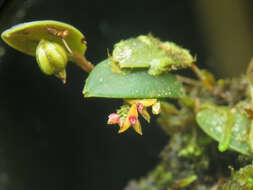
(187, 80)
(197, 71)
(81, 61)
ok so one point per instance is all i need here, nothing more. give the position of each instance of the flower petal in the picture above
(137, 127)
(156, 108)
(125, 126)
(145, 115)
(148, 102)
(145, 102)
(133, 111)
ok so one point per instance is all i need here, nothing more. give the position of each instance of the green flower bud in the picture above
(52, 59)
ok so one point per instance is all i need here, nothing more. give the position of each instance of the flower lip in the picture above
(132, 119)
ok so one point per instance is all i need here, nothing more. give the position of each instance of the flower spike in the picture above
(127, 115)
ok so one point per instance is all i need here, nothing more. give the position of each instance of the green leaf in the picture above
(212, 122)
(25, 37)
(145, 51)
(129, 53)
(103, 82)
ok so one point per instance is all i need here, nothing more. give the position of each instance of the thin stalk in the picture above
(81, 61)
(187, 80)
(197, 71)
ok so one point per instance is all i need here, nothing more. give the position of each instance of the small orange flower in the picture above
(131, 120)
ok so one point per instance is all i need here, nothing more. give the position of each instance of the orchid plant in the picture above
(141, 72)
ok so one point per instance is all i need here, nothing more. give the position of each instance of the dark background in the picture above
(50, 136)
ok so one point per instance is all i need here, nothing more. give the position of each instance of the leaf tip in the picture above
(86, 94)
(222, 147)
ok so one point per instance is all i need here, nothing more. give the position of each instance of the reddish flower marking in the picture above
(132, 119)
(140, 107)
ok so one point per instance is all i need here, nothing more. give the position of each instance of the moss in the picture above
(240, 180)
(191, 157)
